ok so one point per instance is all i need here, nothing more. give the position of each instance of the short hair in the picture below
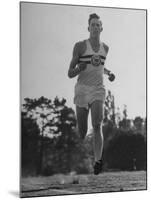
(91, 16)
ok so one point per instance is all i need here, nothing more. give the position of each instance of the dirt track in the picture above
(78, 184)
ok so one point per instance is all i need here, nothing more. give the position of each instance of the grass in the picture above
(79, 184)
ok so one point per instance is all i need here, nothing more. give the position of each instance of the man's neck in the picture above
(94, 40)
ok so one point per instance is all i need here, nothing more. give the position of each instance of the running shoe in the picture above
(98, 167)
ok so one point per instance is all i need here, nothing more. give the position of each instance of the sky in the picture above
(48, 34)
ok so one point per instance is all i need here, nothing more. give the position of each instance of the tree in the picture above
(109, 109)
(30, 134)
(125, 123)
(60, 147)
(111, 117)
(125, 148)
(40, 110)
(70, 152)
(65, 122)
(138, 124)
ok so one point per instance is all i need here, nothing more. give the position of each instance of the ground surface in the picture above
(78, 184)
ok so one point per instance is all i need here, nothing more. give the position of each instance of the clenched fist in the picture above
(111, 77)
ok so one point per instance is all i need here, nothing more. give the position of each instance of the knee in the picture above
(97, 126)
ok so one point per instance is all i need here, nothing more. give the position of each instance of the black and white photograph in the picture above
(83, 96)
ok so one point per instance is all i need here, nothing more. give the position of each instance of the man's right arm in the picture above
(78, 50)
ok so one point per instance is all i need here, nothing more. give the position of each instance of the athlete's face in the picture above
(95, 27)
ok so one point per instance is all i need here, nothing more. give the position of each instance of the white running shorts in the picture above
(84, 95)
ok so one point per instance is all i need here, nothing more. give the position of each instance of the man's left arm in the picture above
(106, 71)
(106, 48)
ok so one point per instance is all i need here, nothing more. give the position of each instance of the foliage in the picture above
(51, 143)
(29, 142)
(109, 109)
(124, 149)
(60, 149)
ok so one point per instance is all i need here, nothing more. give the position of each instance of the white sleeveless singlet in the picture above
(89, 86)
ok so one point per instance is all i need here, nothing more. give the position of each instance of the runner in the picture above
(88, 63)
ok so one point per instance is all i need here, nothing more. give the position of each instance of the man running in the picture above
(88, 63)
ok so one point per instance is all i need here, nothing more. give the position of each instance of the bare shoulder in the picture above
(106, 47)
(80, 47)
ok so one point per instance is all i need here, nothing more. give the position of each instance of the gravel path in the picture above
(80, 184)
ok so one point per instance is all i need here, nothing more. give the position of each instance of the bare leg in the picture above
(97, 118)
(82, 120)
